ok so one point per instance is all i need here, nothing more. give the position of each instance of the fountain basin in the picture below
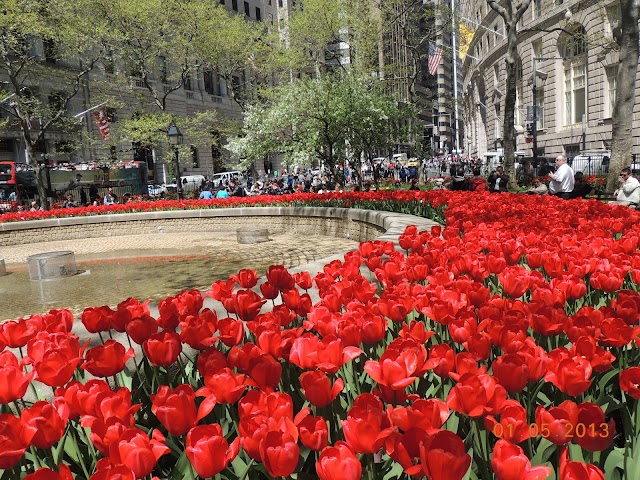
(52, 265)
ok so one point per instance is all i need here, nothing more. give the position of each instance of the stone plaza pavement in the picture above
(288, 249)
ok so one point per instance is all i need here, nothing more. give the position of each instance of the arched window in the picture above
(573, 48)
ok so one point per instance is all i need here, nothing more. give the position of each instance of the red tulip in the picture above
(97, 319)
(135, 450)
(248, 305)
(163, 348)
(558, 423)
(630, 382)
(280, 278)
(106, 471)
(17, 333)
(81, 398)
(225, 385)
(231, 331)
(13, 381)
(280, 453)
(55, 357)
(338, 462)
(197, 331)
(328, 354)
(176, 409)
(571, 375)
(314, 432)
(366, 425)
(48, 421)
(208, 450)
(15, 438)
(444, 457)
(317, 388)
(48, 474)
(592, 432)
(141, 328)
(246, 278)
(107, 360)
(513, 426)
(303, 280)
(511, 371)
(476, 395)
(510, 463)
(428, 415)
(577, 470)
(404, 448)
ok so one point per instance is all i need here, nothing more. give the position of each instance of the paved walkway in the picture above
(288, 249)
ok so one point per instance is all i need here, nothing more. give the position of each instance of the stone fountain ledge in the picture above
(356, 224)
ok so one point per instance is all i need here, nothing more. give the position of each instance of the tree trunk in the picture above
(37, 167)
(622, 128)
(508, 137)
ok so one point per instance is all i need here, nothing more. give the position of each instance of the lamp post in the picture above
(175, 139)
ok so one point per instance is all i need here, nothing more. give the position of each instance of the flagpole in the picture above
(89, 109)
(454, 55)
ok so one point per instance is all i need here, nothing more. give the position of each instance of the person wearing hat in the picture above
(235, 190)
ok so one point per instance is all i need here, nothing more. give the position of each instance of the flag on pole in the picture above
(465, 37)
(102, 122)
(435, 57)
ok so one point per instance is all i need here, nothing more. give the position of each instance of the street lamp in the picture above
(175, 139)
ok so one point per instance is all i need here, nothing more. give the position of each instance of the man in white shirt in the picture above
(629, 192)
(562, 181)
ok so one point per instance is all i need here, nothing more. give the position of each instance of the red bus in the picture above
(9, 189)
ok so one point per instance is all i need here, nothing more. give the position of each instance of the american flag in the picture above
(435, 57)
(101, 118)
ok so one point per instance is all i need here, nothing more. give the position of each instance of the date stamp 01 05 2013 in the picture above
(579, 430)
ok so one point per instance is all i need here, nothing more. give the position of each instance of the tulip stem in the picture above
(80, 459)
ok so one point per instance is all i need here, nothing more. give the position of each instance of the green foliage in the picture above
(324, 119)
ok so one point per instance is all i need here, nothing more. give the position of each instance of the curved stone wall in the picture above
(359, 225)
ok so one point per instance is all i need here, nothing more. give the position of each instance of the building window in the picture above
(222, 2)
(163, 69)
(234, 5)
(258, 14)
(519, 94)
(280, 3)
(575, 93)
(575, 77)
(247, 11)
(612, 87)
(496, 74)
(537, 9)
(57, 102)
(50, 51)
(497, 131)
(188, 82)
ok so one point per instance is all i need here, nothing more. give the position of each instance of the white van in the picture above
(400, 158)
(219, 179)
(192, 183)
(591, 162)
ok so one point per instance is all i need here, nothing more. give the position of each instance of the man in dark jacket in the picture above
(236, 190)
(498, 181)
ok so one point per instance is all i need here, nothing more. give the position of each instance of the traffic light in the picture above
(530, 128)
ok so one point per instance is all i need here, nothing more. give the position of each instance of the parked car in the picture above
(219, 179)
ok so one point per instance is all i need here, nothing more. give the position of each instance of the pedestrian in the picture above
(562, 181)
(628, 193)
(110, 198)
(206, 194)
(498, 181)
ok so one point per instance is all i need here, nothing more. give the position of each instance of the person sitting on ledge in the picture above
(537, 187)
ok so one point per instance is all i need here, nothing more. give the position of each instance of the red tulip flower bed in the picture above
(504, 345)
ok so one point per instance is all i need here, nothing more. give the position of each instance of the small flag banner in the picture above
(435, 57)
(102, 122)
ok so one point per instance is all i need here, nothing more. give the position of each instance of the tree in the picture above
(627, 38)
(154, 41)
(511, 12)
(330, 118)
(57, 40)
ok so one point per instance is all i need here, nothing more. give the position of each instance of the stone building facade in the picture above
(205, 91)
(569, 44)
